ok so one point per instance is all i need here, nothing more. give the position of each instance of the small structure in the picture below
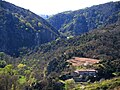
(80, 75)
(88, 72)
(83, 75)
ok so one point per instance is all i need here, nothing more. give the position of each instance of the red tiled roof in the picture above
(77, 61)
(84, 70)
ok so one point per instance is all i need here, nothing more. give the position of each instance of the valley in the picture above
(73, 50)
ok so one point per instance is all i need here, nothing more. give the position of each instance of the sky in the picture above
(49, 7)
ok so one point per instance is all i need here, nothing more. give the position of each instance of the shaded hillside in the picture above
(81, 21)
(20, 28)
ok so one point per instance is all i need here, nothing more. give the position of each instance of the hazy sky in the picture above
(55, 6)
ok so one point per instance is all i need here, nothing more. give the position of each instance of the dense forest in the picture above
(37, 58)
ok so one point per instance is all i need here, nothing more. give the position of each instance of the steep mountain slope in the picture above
(20, 28)
(81, 21)
(44, 16)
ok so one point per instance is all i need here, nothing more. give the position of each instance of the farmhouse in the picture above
(81, 75)
(88, 72)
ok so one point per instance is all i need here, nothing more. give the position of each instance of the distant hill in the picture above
(83, 20)
(20, 29)
(44, 16)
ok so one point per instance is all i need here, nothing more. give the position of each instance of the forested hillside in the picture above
(102, 44)
(77, 22)
(42, 67)
(48, 62)
(22, 29)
